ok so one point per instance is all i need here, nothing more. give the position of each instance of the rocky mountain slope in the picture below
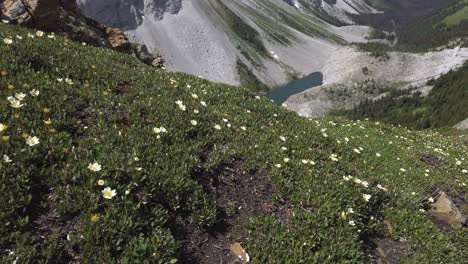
(211, 38)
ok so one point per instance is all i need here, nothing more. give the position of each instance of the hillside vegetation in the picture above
(107, 160)
(445, 105)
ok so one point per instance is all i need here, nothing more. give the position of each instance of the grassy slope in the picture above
(48, 194)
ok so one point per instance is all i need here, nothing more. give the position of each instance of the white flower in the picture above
(34, 92)
(278, 165)
(51, 36)
(32, 141)
(286, 160)
(366, 197)
(284, 148)
(68, 81)
(20, 96)
(402, 170)
(352, 223)
(94, 167)
(158, 130)
(357, 151)
(365, 184)
(464, 171)
(350, 211)
(193, 122)
(217, 127)
(283, 138)
(311, 162)
(127, 192)
(378, 155)
(101, 182)
(243, 128)
(39, 33)
(5, 21)
(108, 193)
(60, 79)
(196, 111)
(458, 163)
(304, 161)
(7, 41)
(430, 199)
(203, 103)
(381, 187)
(422, 210)
(16, 103)
(10, 99)
(346, 139)
(3, 127)
(334, 157)
(30, 35)
(181, 105)
(6, 159)
(194, 96)
(346, 178)
(225, 120)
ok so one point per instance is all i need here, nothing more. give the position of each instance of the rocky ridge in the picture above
(64, 17)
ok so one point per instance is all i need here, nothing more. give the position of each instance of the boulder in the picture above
(446, 214)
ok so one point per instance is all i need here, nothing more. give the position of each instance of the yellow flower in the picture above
(46, 110)
(108, 193)
(32, 141)
(48, 122)
(24, 135)
(343, 215)
(101, 182)
(5, 138)
(3, 73)
(10, 86)
(94, 218)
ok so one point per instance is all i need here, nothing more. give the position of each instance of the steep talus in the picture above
(210, 38)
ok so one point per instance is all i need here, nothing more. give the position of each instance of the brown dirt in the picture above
(388, 251)
(239, 195)
(122, 88)
(45, 218)
(431, 161)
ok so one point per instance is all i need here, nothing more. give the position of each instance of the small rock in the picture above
(445, 213)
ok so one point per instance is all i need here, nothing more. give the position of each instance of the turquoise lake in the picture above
(281, 94)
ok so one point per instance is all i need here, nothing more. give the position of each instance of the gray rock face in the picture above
(128, 14)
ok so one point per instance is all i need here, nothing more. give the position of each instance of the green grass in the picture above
(53, 209)
(456, 18)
